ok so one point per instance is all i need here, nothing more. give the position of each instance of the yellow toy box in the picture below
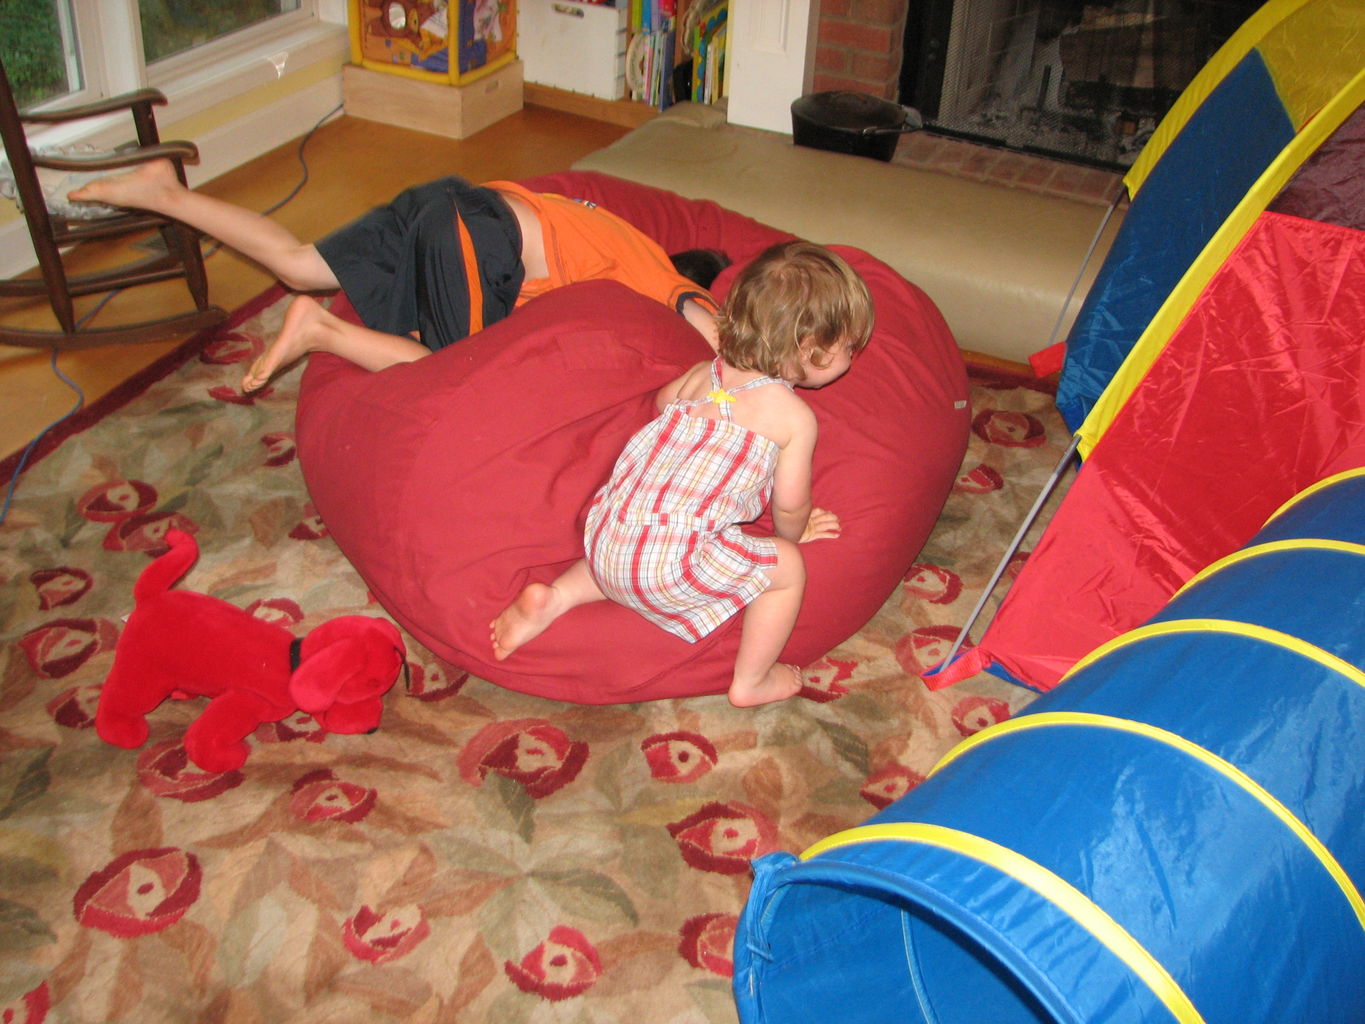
(445, 41)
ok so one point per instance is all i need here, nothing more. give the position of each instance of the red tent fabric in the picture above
(1258, 395)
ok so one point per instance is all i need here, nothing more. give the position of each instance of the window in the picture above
(83, 49)
(171, 27)
(38, 44)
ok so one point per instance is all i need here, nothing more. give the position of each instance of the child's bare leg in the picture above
(308, 327)
(759, 677)
(154, 186)
(540, 604)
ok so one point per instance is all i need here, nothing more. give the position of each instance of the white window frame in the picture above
(109, 38)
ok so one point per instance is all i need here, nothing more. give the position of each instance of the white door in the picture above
(771, 56)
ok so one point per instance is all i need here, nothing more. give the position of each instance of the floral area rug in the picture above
(483, 856)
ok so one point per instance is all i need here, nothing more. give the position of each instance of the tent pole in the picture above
(1085, 262)
(1062, 464)
(1043, 495)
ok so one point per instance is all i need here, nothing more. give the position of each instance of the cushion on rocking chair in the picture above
(452, 482)
(55, 185)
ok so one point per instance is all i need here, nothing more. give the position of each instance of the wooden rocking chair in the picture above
(52, 232)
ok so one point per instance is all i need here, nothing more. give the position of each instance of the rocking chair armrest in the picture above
(174, 150)
(140, 98)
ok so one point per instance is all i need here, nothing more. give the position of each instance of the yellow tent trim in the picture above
(1152, 342)
(1312, 52)
(1050, 886)
(1269, 548)
(1325, 482)
(1225, 626)
(1193, 750)
(1228, 56)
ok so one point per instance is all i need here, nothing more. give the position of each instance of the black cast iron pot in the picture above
(851, 122)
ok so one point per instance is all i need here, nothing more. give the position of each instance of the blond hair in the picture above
(795, 297)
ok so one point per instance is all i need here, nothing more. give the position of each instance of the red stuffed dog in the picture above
(180, 644)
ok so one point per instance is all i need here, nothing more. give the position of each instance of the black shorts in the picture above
(403, 269)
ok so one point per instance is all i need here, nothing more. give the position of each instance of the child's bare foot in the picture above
(302, 321)
(524, 619)
(781, 682)
(143, 188)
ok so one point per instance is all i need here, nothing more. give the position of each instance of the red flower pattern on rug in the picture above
(887, 785)
(165, 769)
(824, 681)
(563, 966)
(679, 757)
(932, 583)
(116, 500)
(139, 892)
(707, 941)
(29, 1008)
(529, 751)
(60, 647)
(60, 586)
(381, 936)
(75, 708)
(321, 796)
(1006, 427)
(724, 837)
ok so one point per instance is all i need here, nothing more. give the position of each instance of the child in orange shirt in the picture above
(441, 261)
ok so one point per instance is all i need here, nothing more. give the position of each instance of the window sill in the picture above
(194, 90)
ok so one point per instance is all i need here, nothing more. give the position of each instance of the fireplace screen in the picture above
(1061, 77)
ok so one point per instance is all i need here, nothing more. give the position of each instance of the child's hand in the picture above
(822, 525)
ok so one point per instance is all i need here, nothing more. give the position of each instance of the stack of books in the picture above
(708, 51)
(676, 54)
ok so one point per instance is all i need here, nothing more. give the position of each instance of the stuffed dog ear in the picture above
(315, 684)
(346, 660)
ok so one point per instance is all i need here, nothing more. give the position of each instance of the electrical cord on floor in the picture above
(23, 459)
(303, 179)
(80, 395)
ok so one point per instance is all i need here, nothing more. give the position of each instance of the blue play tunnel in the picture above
(1175, 833)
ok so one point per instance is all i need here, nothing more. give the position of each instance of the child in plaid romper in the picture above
(663, 535)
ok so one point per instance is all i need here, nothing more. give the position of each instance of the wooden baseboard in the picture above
(626, 113)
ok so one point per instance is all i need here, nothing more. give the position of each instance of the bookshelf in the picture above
(650, 53)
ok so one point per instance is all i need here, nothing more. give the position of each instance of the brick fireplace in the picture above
(1079, 79)
(858, 46)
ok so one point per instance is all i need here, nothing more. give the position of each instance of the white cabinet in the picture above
(576, 46)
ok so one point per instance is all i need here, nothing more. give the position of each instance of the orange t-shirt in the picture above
(584, 242)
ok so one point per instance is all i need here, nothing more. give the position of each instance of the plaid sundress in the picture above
(662, 535)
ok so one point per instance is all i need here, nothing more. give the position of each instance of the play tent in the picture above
(1216, 366)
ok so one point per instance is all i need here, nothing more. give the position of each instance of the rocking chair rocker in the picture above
(51, 231)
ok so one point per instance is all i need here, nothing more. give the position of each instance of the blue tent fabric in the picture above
(1206, 171)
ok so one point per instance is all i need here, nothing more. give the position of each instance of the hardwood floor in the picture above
(352, 166)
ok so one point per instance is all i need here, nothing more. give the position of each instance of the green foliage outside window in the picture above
(174, 26)
(31, 46)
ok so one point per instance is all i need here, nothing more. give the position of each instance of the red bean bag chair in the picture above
(452, 482)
